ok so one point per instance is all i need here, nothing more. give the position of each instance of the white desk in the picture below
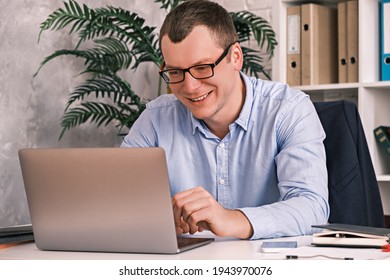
(221, 249)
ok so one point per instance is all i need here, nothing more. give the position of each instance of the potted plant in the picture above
(122, 41)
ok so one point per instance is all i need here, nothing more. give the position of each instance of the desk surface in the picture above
(221, 249)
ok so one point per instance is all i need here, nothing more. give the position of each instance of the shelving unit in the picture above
(372, 96)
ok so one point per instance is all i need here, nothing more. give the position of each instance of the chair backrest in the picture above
(354, 196)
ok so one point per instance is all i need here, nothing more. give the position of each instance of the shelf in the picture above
(383, 178)
(346, 86)
(382, 84)
(329, 87)
(371, 95)
(323, 2)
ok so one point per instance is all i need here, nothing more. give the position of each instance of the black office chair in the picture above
(354, 196)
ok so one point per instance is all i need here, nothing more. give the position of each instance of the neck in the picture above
(229, 114)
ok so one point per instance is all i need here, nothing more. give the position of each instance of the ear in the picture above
(237, 57)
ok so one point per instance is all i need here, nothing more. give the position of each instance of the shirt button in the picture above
(222, 145)
(221, 181)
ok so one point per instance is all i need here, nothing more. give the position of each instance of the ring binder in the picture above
(319, 44)
(385, 40)
(342, 41)
(294, 46)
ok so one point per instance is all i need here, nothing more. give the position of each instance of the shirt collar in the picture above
(197, 124)
(243, 118)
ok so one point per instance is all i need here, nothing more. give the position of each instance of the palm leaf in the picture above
(95, 112)
(107, 22)
(112, 52)
(128, 113)
(84, 54)
(127, 27)
(253, 63)
(168, 4)
(103, 86)
(100, 114)
(109, 53)
(259, 27)
(72, 13)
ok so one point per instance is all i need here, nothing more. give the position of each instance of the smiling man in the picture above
(245, 156)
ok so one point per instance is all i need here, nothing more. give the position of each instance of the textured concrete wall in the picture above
(31, 108)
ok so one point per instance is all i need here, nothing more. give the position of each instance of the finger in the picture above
(193, 228)
(184, 226)
(179, 230)
(187, 203)
(189, 192)
(177, 212)
(202, 225)
(196, 215)
(201, 218)
(181, 199)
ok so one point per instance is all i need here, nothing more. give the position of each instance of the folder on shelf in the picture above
(352, 41)
(294, 45)
(318, 44)
(342, 42)
(382, 135)
(385, 40)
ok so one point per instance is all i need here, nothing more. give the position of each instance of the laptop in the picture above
(101, 200)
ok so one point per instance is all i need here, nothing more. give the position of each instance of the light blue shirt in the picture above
(271, 165)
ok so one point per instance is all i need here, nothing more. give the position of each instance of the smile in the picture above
(199, 98)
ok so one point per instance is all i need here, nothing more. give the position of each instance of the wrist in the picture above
(241, 227)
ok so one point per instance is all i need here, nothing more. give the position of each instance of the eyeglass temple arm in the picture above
(162, 66)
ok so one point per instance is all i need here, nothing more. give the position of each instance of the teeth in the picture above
(200, 98)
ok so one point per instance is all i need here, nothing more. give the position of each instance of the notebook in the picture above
(345, 235)
(101, 199)
(15, 234)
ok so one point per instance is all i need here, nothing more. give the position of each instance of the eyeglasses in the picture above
(200, 71)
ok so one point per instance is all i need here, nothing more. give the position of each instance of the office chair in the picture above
(354, 196)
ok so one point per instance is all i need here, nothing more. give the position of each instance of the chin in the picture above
(201, 115)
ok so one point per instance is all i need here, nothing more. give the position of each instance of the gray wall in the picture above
(31, 108)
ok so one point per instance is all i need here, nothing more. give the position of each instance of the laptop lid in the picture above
(100, 199)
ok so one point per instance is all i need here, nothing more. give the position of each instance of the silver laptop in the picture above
(101, 199)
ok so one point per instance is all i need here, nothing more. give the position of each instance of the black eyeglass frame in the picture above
(211, 65)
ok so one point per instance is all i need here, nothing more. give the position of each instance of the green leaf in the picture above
(108, 54)
(248, 23)
(61, 18)
(105, 85)
(127, 27)
(168, 4)
(98, 113)
(253, 63)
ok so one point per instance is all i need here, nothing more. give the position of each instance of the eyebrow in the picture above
(199, 62)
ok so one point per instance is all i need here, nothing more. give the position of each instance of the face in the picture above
(213, 99)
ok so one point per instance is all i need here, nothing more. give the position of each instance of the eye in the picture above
(174, 72)
(201, 68)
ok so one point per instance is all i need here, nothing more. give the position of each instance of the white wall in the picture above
(31, 108)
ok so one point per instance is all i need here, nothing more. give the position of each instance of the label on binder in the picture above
(294, 34)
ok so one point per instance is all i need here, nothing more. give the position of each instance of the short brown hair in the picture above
(181, 21)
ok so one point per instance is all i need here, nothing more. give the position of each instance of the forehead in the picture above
(198, 47)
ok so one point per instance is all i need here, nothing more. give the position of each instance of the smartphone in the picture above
(277, 246)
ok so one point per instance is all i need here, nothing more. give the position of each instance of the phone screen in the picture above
(277, 246)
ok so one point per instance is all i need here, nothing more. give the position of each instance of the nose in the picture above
(190, 83)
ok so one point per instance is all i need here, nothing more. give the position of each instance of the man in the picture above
(245, 156)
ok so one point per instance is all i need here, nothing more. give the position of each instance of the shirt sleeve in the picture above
(302, 177)
(142, 133)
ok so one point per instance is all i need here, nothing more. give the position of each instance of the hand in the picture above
(196, 209)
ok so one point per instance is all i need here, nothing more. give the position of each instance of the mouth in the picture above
(200, 98)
